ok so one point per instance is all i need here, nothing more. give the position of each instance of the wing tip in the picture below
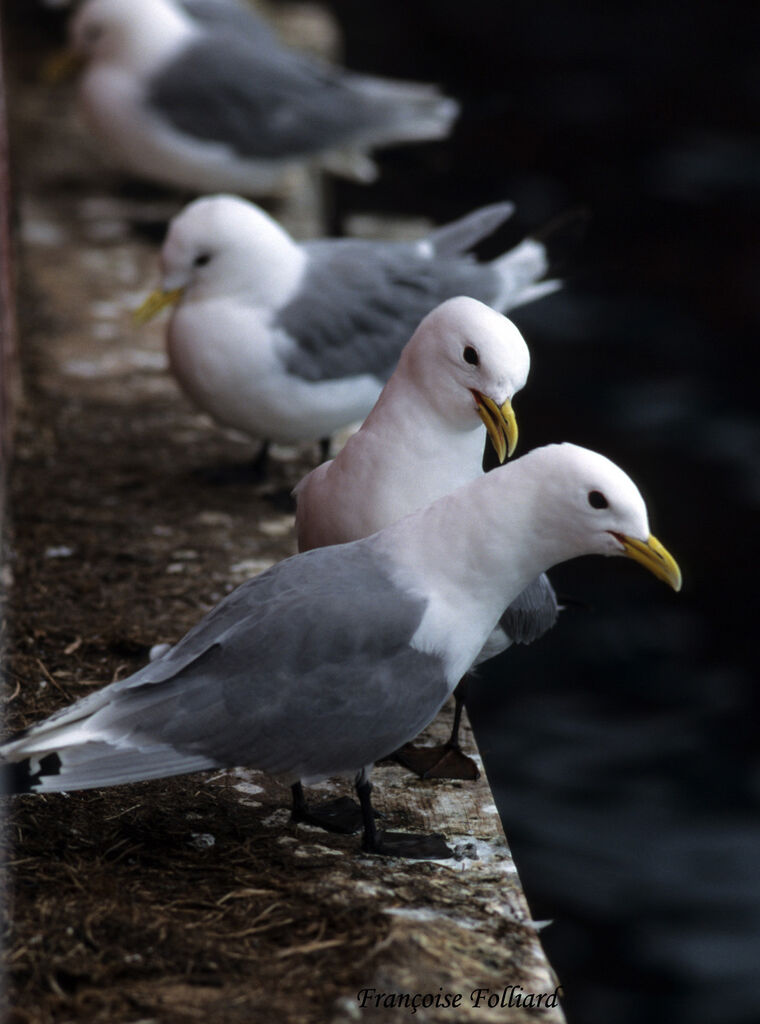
(26, 776)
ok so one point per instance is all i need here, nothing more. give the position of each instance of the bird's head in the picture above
(114, 30)
(469, 361)
(585, 504)
(223, 245)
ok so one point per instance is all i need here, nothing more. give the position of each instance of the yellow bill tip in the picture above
(653, 556)
(154, 303)
(500, 423)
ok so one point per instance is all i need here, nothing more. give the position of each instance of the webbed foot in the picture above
(342, 815)
(444, 761)
(405, 844)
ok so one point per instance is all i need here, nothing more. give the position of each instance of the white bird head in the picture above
(581, 503)
(136, 33)
(223, 245)
(469, 361)
(474, 550)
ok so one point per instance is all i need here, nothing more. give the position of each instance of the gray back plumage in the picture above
(237, 85)
(261, 101)
(304, 670)
(216, 14)
(360, 302)
(532, 613)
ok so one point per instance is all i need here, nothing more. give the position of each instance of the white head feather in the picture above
(460, 347)
(473, 551)
(220, 245)
(424, 437)
(137, 35)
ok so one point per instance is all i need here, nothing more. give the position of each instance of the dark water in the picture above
(624, 747)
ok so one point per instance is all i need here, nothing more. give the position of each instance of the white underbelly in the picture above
(242, 385)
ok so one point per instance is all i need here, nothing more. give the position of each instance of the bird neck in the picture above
(485, 542)
(430, 428)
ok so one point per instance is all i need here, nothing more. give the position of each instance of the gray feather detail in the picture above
(215, 14)
(99, 763)
(532, 613)
(361, 301)
(257, 106)
(230, 14)
(305, 670)
(245, 91)
(461, 235)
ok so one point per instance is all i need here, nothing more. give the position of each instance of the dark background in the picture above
(623, 748)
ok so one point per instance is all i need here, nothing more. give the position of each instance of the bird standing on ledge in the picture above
(334, 658)
(201, 95)
(289, 341)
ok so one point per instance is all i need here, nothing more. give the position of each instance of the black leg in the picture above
(342, 815)
(260, 464)
(459, 699)
(300, 807)
(369, 839)
(446, 760)
(396, 844)
(324, 449)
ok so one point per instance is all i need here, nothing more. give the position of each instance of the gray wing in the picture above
(462, 234)
(233, 15)
(261, 100)
(305, 670)
(243, 89)
(532, 613)
(360, 302)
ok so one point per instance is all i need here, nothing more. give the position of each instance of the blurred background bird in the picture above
(289, 341)
(200, 94)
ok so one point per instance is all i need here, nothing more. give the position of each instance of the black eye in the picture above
(597, 500)
(202, 259)
(470, 356)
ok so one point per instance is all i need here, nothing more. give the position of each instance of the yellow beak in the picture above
(61, 66)
(653, 556)
(155, 302)
(500, 422)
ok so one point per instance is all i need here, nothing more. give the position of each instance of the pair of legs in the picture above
(343, 815)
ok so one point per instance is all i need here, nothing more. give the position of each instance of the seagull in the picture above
(289, 341)
(201, 95)
(334, 658)
(422, 440)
